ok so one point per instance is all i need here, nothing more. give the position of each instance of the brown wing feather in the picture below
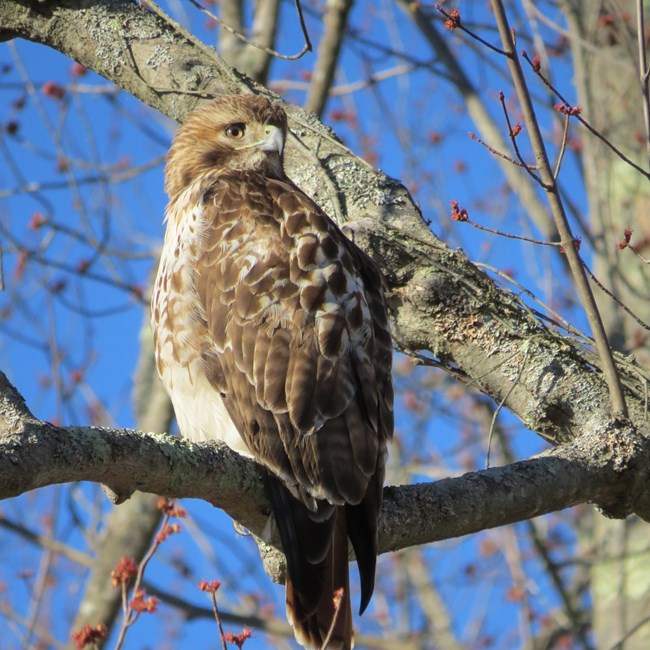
(297, 322)
(280, 282)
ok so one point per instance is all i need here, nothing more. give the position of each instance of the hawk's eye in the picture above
(235, 131)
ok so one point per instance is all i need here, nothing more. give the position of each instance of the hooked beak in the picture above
(274, 141)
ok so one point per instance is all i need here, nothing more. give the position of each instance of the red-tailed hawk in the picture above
(271, 334)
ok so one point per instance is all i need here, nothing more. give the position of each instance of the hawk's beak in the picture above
(274, 141)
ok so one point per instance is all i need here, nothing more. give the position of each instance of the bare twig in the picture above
(560, 157)
(494, 152)
(337, 596)
(454, 22)
(645, 260)
(494, 231)
(581, 119)
(644, 73)
(217, 617)
(40, 586)
(36, 256)
(255, 62)
(620, 303)
(513, 138)
(6, 610)
(503, 400)
(282, 85)
(610, 372)
(287, 57)
(132, 612)
(112, 174)
(47, 542)
(619, 645)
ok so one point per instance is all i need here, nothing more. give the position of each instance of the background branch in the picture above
(129, 529)
(329, 50)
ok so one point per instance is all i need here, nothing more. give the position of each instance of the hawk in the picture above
(271, 334)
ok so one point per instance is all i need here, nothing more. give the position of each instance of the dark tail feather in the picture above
(317, 563)
(325, 624)
(305, 542)
(362, 529)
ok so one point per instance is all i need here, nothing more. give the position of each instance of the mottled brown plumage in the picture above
(271, 334)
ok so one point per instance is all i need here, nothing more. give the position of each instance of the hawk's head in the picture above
(231, 133)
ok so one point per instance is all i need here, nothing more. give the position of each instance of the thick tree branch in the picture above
(604, 466)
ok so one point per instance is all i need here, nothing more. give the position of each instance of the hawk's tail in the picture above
(317, 568)
(331, 619)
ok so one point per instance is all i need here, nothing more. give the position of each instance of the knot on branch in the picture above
(617, 444)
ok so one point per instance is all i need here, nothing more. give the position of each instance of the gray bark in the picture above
(605, 465)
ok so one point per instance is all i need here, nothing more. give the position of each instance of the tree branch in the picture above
(580, 279)
(255, 61)
(605, 466)
(334, 23)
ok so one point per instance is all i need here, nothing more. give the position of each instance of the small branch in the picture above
(286, 57)
(266, 624)
(255, 62)
(43, 635)
(644, 73)
(338, 597)
(495, 415)
(461, 216)
(35, 255)
(47, 543)
(618, 404)
(645, 260)
(494, 152)
(454, 22)
(620, 303)
(113, 175)
(581, 119)
(560, 157)
(513, 138)
(217, 616)
(631, 632)
(625, 243)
